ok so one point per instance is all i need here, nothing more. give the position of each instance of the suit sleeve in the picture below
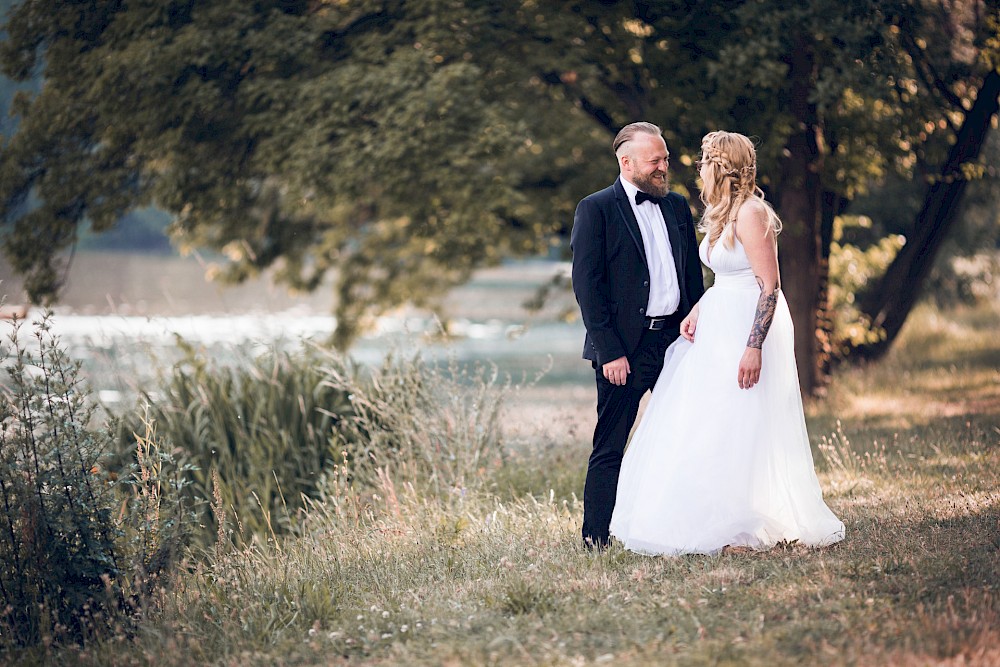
(590, 281)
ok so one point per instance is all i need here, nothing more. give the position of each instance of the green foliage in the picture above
(852, 58)
(257, 437)
(852, 269)
(94, 520)
(79, 551)
(9, 88)
(58, 547)
(400, 145)
(298, 136)
(966, 270)
(264, 438)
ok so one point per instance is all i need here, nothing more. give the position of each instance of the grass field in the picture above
(908, 452)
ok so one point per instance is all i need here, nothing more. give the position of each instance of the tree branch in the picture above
(925, 69)
(888, 304)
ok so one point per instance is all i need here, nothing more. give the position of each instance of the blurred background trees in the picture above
(401, 145)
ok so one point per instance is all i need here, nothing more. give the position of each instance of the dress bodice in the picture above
(730, 265)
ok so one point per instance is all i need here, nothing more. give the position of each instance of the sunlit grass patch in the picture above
(488, 567)
(945, 364)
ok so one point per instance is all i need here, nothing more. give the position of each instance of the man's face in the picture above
(645, 164)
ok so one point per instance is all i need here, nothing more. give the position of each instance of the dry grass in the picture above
(909, 457)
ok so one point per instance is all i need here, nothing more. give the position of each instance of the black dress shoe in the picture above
(596, 543)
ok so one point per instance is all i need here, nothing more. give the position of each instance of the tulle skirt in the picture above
(711, 464)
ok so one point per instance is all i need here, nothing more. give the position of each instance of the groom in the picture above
(636, 275)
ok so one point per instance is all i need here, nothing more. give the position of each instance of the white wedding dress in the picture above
(711, 464)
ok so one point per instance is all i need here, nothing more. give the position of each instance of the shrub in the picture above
(74, 552)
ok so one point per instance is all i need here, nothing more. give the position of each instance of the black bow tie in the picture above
(641, 196)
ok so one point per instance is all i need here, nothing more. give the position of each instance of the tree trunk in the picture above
(832, 206)
(889, 304)
(799, 205)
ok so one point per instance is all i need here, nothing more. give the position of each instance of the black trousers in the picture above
(617, 407)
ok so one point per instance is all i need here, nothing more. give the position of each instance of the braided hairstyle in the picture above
(730, 180)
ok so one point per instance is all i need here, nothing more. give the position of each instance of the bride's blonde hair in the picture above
(730, 180)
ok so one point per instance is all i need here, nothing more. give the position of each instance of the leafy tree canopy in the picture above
(300, 135)
(402, 144)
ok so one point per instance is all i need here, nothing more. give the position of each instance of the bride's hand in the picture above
(750, 365)
(689, 324)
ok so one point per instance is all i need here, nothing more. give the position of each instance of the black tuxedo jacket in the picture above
(610, 275)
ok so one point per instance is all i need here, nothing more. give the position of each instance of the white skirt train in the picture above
(711, 464)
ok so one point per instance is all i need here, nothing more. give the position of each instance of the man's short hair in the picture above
(627, 133)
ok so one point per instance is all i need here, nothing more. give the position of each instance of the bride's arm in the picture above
(757, 236)
(690, 323)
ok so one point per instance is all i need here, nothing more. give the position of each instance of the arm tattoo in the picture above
(766, 306)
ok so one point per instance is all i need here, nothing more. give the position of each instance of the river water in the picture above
(122, 315)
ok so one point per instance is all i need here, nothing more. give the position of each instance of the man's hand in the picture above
(616, 372)
(750, 364)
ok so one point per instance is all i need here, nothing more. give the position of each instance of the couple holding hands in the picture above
(721, 456)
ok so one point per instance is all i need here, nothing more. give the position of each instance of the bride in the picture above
(721, 456)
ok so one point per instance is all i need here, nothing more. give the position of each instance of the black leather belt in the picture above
(664, 321)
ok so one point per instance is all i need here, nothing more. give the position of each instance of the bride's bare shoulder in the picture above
(753, 210)
(752, 218)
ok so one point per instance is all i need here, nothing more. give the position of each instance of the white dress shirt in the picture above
(664, 289)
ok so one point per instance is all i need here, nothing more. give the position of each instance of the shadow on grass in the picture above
(937, 359)
(970, 433)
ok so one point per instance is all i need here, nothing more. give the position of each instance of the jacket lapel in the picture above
(625, 209)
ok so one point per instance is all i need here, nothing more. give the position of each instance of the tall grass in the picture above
(262, 438)
(436, 426)
(256, 436)
(408, 557)
(398, 578)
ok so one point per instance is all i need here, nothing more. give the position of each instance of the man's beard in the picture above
(653, 186)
